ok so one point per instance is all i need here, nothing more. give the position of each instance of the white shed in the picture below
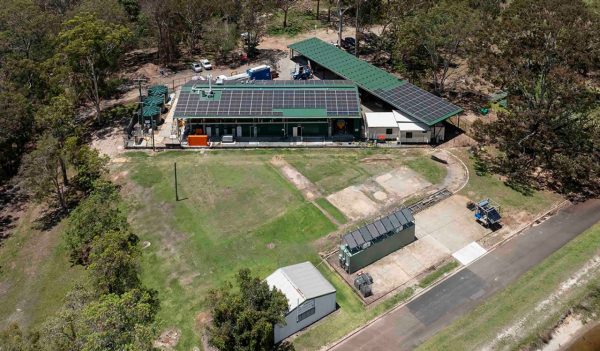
(310, 297)
(397, 126)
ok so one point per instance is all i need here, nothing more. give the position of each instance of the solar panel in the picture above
(350, 241)
(417, 102)
(395, 221)
(365, 234)
(373, 231)
(403, 221)
(409, 99)
(408, 214)
(387, 224)
(358, 238)
(234, 102)
(380, 227)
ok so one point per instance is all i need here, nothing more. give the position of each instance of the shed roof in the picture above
(408, 98)
(300, 282)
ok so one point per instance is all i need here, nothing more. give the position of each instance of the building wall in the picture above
(415, 137)
(374, 132)
(324, 305)
(381, 249)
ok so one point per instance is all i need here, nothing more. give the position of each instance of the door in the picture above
(239, 131)
(208, 131)
(295, 131)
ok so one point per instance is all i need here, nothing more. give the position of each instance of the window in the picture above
(306, 310)
(408, 135)
(306, 314)
(389, 131)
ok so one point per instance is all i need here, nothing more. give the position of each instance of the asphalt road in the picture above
(410, 325)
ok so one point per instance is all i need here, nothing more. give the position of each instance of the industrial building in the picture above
(413, 103)
(395, 126)
(376, 240)
(310, 297)
(269, 110)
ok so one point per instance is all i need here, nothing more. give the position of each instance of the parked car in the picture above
(206, 64)
(196, 67)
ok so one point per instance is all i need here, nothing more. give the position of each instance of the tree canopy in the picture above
(243, 319)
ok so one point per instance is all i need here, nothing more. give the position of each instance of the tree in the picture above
(194, 14)
(14, 339)
(16, 120)
(110, 322)
(166, 25)
(92, 48)
(89, 165)
(285, 6)
(58, 118)
(98, 214)
(114, 262)
(540, 53)
(252, 22)
(243, 319)
(40, 171)
(434, 38)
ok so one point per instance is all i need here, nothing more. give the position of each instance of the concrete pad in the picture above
(469, 253)
(387, 275)
(450, 223)
(353, 203)
(409, 263)
(402, 182)
(428, 251)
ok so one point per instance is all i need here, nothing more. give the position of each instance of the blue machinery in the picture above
(487, 213)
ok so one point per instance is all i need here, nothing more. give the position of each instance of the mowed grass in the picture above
(35, 273)
(237, 212)
(335, 169)
(491, 186)
(482, 325)
(332, 210)
(429, 169)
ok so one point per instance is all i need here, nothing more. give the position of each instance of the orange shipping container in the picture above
(198, 140)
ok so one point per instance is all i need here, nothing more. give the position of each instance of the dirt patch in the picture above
(306, 187)
(376, 159)
(168, 339)
(353, 203)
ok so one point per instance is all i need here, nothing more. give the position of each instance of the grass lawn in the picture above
(491, 186)
(480, 326)
(435, 275)
(334, 170)
(332, 210)
(432, 171)
(35, 273)
(236, 212)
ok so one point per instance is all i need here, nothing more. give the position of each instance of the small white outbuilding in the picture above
(396, 126)
(310, 297)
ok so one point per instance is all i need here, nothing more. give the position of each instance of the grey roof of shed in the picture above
(308, 280)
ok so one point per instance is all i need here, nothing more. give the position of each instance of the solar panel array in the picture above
(270, 83)
(415, 101)
(409, 99)
(264, 102)
(390, 224)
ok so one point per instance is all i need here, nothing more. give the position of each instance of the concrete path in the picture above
(408, 326)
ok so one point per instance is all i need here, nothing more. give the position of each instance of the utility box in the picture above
(363, 284)
(376, 240)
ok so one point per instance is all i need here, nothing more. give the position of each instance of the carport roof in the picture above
(407, 98)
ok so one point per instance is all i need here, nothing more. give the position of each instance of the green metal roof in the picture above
(348, 66)
(409, 99)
